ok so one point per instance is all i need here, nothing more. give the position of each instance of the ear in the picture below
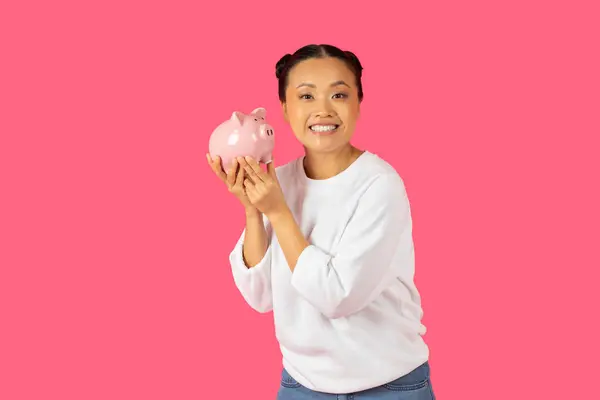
(284, 111)
(237, 116)
(260, 112)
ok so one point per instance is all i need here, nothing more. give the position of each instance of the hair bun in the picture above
(280, 66)
(354, 60)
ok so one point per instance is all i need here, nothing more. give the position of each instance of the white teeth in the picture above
(323, 128)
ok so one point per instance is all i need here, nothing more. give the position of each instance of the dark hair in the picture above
(285, 64)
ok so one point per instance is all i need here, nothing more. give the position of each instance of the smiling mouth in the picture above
(324, 128)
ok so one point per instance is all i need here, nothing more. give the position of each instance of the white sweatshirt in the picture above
(349, 317)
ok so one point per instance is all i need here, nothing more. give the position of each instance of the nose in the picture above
(324, 110)
(267, 130)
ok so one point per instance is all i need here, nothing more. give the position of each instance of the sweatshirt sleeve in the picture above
(376, 242)
(253, 283)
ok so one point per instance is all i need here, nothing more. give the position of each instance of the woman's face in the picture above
(322, 104)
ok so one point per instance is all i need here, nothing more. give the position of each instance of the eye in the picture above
(342, 95)
(305, 96)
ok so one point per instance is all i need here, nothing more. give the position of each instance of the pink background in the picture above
(113, 253)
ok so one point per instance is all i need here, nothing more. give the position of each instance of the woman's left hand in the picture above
(262, 188)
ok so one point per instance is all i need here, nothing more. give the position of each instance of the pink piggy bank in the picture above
(243, 135)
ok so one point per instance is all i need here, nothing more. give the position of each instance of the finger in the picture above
(251, 190)
(216, 167)
(231, 173)
(220, 172)
(255, 167)
(271, 169)
(250, 171)
(239, 180)
(249, 185)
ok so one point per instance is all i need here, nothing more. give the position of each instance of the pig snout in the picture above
(266, 131)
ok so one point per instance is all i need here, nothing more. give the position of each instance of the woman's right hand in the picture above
(234, 180)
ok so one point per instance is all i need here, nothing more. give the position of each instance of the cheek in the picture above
(351, 113)
(298, 118)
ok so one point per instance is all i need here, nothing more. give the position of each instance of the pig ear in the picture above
(261, 112)
(237, 116)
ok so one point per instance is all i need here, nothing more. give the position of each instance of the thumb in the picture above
(271, 169)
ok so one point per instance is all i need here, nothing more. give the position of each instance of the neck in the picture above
(327, 165)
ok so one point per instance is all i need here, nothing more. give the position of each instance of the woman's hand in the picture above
(234, 179)
(262, 188)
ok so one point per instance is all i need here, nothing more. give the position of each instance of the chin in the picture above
(324, 144)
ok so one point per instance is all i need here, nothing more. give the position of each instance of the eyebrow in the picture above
(336, 83)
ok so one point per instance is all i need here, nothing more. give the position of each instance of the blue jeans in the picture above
(414, 386)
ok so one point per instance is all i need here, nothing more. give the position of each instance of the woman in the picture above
(328, 245)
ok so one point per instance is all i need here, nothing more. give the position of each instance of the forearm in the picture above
(290, 237)
(255, 239)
